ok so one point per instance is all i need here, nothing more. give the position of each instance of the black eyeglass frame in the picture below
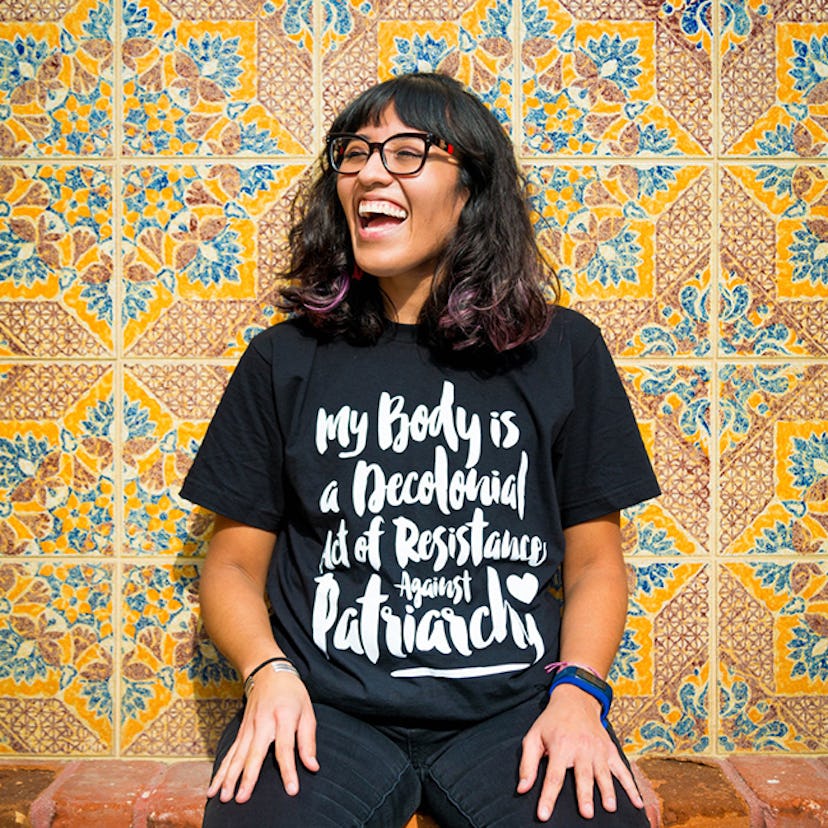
(430, 139)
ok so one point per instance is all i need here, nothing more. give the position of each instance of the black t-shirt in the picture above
(419, 507)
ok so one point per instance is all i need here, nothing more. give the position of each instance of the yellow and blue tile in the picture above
(774, 94)
(177, 692)
(206, 87)
(622, 90)
(166, 411)
(56, 81)
(771, 419)
(56, 459)
(56, 674)
(662, 672)
(200, 247)
(632, 247)
(672, 405)
(116, 342)
(773, 678)
(56, 260)
(774, 260)
(368, 41)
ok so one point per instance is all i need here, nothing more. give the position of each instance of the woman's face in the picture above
(399, 225)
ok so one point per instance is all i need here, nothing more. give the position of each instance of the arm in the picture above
(235, 615)
(595, 593)
(569, 731)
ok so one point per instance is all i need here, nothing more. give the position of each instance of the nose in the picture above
(374, 169)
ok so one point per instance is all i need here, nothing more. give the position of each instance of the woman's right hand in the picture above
(279, 713)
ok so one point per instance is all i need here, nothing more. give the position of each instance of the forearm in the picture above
(232, 595)
(595, 593)
(595, 611)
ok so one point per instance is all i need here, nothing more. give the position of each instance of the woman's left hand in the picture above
(570, 734)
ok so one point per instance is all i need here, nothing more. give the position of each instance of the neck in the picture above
(403, 303)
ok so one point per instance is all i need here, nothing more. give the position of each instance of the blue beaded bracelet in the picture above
(587, 682)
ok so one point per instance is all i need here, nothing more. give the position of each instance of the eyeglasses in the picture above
(402, 154)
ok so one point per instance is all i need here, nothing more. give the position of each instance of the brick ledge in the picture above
(745, 791)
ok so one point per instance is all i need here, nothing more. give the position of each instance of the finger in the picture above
(306, 742)
(218, 777)
(627, 780)
(552, 783)
(585, 789)
(233, 766)
(253, 760)
(603, 780)
(529, 759)
(285, 750)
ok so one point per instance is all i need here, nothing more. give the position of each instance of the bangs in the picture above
(420, 102)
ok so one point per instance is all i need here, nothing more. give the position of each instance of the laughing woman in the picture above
(401, 472)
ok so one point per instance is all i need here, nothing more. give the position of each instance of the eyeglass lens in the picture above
(401, 154)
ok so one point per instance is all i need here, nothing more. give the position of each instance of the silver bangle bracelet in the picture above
(276, 667)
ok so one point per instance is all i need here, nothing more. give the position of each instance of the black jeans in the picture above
(377, 776)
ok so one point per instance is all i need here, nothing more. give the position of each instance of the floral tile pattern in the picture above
(178, 692)
(672, 406)
(773, 417)
(56, 459)
(632, 249)
(166, 411)
(56, 254)
(774, 93)
(56, 80)
(661, 673)
(774, 661)
(230, 85)
(201, 246)
(470, 40)
(774, 260)
(150, 152)
(641, 86)
(56, 658)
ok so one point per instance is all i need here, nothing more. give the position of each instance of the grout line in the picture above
(175, 558)
(641, 359)
(535, 158)
(517, 79)
(316, 75)
(713, 697)
(118, 376)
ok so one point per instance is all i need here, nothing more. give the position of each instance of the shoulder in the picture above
(571, 331)
(287, 332)
(288, 335)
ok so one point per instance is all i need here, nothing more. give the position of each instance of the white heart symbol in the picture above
(523, 587)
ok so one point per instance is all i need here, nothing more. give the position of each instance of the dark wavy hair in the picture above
(492, 285)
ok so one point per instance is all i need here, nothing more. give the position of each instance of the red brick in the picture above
(95, 792)
(20, 784)
(652, 805)
(178, 800)
(793, 790)
(766, 791)
(695, 793)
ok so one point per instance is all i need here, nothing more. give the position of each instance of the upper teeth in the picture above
(385, 208)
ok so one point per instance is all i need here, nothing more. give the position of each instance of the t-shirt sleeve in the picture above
(238, 471)
(601, 464)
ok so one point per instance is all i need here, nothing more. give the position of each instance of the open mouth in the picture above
(380, 214)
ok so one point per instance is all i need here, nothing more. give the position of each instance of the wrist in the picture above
(276, 664)
(587, 683)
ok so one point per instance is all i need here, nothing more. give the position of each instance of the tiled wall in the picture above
(679, 152)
